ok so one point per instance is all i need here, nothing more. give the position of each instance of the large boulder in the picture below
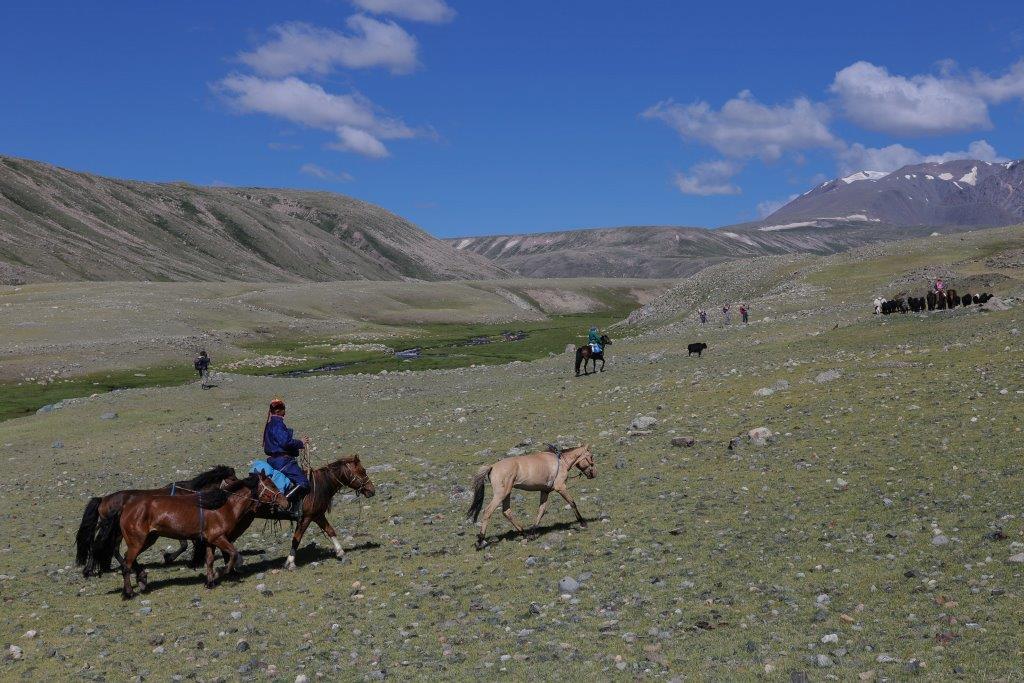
(995, 304)
(643, 423)
(828, 376)
(760, 436)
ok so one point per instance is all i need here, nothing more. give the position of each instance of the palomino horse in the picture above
(325, 482)
(545, 471)
(103, 513)
(210, 515)
(585, 354)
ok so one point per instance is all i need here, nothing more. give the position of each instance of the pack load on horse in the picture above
(282, 451)
(592, 351)
(544, 471)
(98, 537)
(211, 516)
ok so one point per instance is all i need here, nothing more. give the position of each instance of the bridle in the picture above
(357, 483)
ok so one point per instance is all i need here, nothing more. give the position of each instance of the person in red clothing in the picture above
(744, 313)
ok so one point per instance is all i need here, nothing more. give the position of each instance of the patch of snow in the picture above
(463, 244)
(958, 185)
(907, 177)
(864, 175)
(971, 178)
(788, 226)
(509, 245)
(741, 238)
(929, 177)
(945, 176)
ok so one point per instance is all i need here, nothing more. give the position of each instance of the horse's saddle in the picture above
(282, 482)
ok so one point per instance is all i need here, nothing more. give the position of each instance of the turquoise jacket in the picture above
(594, 337)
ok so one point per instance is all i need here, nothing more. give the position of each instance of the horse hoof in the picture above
(583, 525)
(210, 585)
(168, 558)
(127, 596)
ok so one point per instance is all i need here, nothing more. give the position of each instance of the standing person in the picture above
(202, 366)
(725, 313)
(282, 450)
(703, 316)
(744, 313)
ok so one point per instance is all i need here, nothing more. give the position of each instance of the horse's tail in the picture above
(87, 532)
(198, 553)
(107, 539)
(479, 481)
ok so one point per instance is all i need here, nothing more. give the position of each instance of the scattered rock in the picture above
(57, 444)
(764, 391)
(568, 585)
(108, 416)
(828, 376)
(995, 304)
(940, 539)
(643, 423)
(780, 385)
(1017, 559)
(760, 436)
(242, 646)
(823, 661)
(680, 441)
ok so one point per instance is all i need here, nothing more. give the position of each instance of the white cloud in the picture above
(357, 122)
(744, 127)
(770, 206)
(326, 174)
(709, 178)
(359, 141)
(302, 48)
(429, 11)
(923, 104)
(857, 157)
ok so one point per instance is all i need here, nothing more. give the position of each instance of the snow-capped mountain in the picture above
(963, 193)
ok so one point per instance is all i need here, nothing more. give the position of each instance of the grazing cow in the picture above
(965, 300)
(952, 300)
(932, 300)
(984, 297)
(695, 349)
(878, 304)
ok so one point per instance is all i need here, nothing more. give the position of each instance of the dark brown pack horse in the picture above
(212, 516)
(98, 537)
(585, 354)
(325, 482)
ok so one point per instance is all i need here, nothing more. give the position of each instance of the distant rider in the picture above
(202, 365)
(594, 339)
(282, 449)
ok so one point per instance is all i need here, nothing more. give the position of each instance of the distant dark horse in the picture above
(585, 353)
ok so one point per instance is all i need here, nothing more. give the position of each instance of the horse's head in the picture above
(585, 462)
(267, 493)
(605, 340)
(358, 479)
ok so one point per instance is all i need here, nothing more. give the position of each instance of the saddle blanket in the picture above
(280, 480)
(596, 348)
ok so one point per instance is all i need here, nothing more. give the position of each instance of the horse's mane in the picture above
(321, 492)
(213, 499)
(207, 478)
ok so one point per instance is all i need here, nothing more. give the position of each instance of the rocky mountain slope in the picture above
(963, 193)
(661, 252)
(57, 224)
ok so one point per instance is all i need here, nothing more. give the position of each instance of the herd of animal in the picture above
(933, 301)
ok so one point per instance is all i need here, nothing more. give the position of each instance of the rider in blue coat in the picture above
(594, 339)
(282, 449)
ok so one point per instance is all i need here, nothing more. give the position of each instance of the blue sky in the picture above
(486, 117)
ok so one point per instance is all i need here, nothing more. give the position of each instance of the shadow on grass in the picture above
(533, 533)
(311, 553)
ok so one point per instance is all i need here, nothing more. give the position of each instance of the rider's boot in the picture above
(296, 497)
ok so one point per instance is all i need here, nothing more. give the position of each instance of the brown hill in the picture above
(57, 224)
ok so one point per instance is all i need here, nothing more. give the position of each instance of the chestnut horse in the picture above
(210, 515)
(325, 482)
(545, 471)
(95, 550)
(585, 354)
